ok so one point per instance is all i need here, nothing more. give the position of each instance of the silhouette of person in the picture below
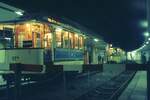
(143, 58)
(99, 59)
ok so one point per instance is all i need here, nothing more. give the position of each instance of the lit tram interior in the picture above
(59, 42)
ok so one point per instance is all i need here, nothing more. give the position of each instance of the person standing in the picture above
(143, 58)
(99, 59)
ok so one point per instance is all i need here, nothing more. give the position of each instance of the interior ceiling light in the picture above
(19, 13)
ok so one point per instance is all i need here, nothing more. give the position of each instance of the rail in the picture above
(109, 90)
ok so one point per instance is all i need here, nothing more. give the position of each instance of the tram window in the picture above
(7, 27)
(76, 40)
(29, 32)
(37, 31)
(22, 34)
(47, 37)
(58, 38)
(48, 40)
(71, 40)
(66, 39)
(80, 42)
(1, 27)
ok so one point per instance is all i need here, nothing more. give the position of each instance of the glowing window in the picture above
(71, 39)
(80, 42)
(47, 37)
(66, 39)
(58, 38)
(47, 40)
(23, 33)
(76, 41)
(32, 32)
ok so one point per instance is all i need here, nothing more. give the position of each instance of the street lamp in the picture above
(147, 42)
(96, 40)
(144, 23)
(146, 34)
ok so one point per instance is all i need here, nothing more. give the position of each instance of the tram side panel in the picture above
(66, 55)
(24, 56)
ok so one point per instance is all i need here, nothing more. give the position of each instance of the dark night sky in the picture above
(116, 20)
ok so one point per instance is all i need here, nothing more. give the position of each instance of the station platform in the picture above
(137, 89)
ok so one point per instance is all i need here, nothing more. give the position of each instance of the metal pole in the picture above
(17, 67)
(148, 67)
(8, 92)
(65, 83)
(148, 82)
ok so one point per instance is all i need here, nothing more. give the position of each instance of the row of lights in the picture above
(144, 24)
(146, 34)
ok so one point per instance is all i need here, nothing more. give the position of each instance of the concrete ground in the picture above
(137, 89)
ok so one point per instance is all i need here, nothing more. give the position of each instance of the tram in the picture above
(37, 40)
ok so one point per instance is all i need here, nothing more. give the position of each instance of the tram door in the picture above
(47, 46)
(48, 40)
(36, 39)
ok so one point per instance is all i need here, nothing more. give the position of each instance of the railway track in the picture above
(29, 85)
(111, 89)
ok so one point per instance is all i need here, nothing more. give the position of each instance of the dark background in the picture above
(116, 20)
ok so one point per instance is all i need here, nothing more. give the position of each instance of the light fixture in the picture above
(7, 38)
(149, 39)
(58, 29)
(146, 34)
(147, 42)
(96, 40)
(110, 45)
(144, 23)
(76, 35)
(19, 13)
(27, 25)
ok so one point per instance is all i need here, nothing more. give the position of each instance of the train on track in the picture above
(40, 40)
